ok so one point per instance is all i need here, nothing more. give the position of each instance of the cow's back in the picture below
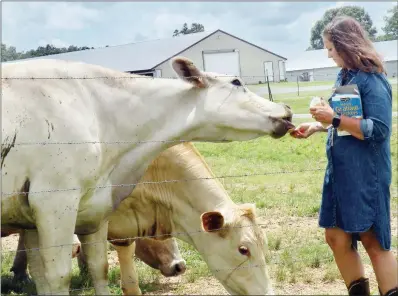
(54, 107)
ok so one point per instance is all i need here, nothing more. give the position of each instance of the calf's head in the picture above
(234, 247)
(161, 254)
(227, 110)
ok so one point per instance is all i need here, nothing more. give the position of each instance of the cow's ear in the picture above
(212, 221)
(187, 71)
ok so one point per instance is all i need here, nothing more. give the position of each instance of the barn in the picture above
(314, 65)
(216, 51)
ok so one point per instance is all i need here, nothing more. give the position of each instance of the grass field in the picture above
(300, 104)
(294, 84)
(289, 84)
(287, 198)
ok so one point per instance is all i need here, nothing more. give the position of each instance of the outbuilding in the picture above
(314, 65)
(216, 51)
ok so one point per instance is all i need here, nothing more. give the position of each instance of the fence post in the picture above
(269, 88)
(298, 86)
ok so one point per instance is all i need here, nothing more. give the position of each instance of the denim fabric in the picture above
(356, 188)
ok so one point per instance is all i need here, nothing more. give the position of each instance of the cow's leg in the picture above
(36, 264)
(128, 273)
(55, 214)
(20, 264)
(94, 248)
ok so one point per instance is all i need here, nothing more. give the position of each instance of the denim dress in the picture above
(356, 188)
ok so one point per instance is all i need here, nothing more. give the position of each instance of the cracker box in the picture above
(346, 100)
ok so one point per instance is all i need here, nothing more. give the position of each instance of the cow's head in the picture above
(228, 109)
(161, 254)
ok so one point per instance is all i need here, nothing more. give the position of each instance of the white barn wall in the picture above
(391, 68)
(251, 58)
(330, 73)
(319, 74)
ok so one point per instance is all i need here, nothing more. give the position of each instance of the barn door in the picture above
(222, 62)
(269, 71)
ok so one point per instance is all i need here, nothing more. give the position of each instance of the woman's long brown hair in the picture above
(353, 45)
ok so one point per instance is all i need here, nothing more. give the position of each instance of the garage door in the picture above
(222, 62)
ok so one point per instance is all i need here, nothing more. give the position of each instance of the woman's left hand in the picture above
(322, 113)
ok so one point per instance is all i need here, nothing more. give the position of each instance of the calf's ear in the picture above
(212, 221)
(187, 71)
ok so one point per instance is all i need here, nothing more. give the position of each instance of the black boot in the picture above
(359, 287)
(392, 292)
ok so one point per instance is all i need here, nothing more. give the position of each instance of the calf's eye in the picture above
(244, 251)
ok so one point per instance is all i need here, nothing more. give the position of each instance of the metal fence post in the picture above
(298, 87)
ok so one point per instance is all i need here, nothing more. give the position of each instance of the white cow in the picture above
(67, 188)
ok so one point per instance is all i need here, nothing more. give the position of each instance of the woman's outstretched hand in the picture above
(304, 130)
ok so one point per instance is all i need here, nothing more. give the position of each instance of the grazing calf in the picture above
(231, 242)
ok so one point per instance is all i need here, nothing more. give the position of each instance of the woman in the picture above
(356, 197)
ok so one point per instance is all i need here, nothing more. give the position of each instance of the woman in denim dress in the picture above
(356, 196)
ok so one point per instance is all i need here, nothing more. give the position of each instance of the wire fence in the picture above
(271, 78)
(311, 168)
(277, 258)
(304, 82)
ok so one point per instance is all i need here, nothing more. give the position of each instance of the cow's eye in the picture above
(244, 251)
(236, 82)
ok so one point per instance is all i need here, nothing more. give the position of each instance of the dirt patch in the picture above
(275, 221)
(202, 286)
(9, 243)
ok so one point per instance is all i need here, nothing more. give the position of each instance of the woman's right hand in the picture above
(304, 130)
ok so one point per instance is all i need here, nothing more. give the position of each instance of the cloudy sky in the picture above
(282, 27)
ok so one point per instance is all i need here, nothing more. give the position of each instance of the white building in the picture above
(217, 51)
(314, 65)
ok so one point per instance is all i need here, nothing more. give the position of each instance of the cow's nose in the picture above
(180, 267)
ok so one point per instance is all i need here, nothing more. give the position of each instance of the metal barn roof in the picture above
(315, 59)
(143, 55)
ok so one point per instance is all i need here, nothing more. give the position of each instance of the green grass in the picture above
(300, 104)
(288, 192)
(291, 84)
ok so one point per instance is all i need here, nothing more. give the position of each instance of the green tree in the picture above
(9, 53)
(195, 28)
(356, 12)
(391, 25)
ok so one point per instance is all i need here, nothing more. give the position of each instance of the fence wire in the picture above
(134, 76)
(276, 260)
(174, 234)
(282, 260)
(158, 182)
(138, 76)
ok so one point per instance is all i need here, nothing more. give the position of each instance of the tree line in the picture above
(390, 29)
(10, 53)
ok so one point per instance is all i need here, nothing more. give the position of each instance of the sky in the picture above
(281, 27)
